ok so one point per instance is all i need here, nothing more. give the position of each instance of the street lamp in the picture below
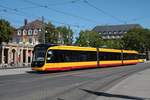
(45, 32)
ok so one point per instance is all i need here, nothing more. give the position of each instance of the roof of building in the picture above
(36, 24)
(124, 27)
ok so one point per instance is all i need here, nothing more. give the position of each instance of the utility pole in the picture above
(43, 30)
(70, 36)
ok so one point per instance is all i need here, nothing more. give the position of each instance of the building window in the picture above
(35, 32)
(108, 37)
(120, 32)
(29, 32)
(113, 37)
(24, 32)
(109, 32)
(117, 36)
(19, 32)
(125, 32)
(104, 32)
(115, 32)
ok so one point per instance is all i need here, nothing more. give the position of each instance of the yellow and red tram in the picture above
(48, 57)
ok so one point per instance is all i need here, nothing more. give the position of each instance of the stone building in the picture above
(18, 52)
(15, 55)
(114, 31)
(30, 33)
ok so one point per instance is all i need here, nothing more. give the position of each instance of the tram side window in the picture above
(82, 56)
(141, 56)
(74, 56)
(91, 56)
(59, 56)
(103, 56)
(68, 56)
(79, 56)
(109, 56)
(135, 56)
(127, 56)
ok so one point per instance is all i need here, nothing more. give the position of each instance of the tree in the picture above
(58, 35)
(6, 31)
(66, 34)
(89, 38)
(113, 43)
(137, 39)
(51, 33)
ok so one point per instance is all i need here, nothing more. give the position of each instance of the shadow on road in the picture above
(114, 95)
(45, 72)
(41, 72)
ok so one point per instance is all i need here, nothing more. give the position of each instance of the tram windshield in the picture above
(39, 54)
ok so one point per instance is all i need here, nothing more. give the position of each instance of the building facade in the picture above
(19, 51)
(114, 31)
(30, 33)
(15, 55)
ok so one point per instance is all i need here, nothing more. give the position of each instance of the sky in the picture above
(78, 14)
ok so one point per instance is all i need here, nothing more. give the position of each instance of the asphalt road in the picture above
(70, 85)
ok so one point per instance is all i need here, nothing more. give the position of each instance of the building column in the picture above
(2, 56)
(31, 55)
(26, 56)
(9, 56)
(21, 56)
(16, 56)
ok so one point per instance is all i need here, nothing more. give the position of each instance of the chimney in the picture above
(25, 22)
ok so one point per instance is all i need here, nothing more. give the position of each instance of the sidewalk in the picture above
(135, 87)
(14, 71)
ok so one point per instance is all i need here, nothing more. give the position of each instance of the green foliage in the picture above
(51, 34)
(6, 31)
(137, 39)
(89, 38)
(93, 39)
(66, 34)
(113, 43)
(58, 35)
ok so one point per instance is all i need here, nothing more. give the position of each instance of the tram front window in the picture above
(39, 54)
(38, 57)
